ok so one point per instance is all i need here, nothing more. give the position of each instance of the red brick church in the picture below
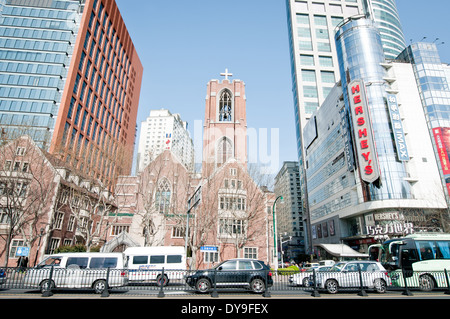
(233, 217)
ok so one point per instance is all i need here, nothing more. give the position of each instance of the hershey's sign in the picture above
(364, 144)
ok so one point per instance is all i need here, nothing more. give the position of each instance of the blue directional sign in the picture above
(22, 251)
(208, 248)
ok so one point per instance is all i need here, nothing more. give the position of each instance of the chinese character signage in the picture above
(364, 144)
(397, 128)
(390, 229)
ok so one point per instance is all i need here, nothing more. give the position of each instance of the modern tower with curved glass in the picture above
(359, 47)
(387, 20)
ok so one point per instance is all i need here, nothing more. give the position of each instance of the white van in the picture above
(146, 263)
(79, 270)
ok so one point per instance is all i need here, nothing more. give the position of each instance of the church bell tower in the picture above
(225, 127)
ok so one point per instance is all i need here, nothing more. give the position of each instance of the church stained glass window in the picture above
(162, 200)
(224, 150)
(225, 107)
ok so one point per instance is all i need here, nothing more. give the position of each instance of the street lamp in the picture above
(275, 253)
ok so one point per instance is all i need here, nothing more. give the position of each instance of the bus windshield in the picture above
(389, 253)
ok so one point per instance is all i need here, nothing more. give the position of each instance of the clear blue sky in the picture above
(184, 44)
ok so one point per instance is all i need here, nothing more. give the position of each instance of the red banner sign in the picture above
(364, 144)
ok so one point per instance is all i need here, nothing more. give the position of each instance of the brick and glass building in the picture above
(371, 168)
(70, 78)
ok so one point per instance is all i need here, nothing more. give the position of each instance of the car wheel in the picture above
(257, 285)
(203, 285)
(332, 286)
(162, 281)
(380, 285)
(46, 285)
(99, 286)
(426, 283)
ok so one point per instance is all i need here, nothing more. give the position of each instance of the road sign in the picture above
(22, 251)
(208, 248)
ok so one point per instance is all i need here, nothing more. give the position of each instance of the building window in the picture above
(251, 252)
(162, 200)
(224, 150)
(178, 232)
(232, 203)
(118, 229)
(327, 77)
(225, 107)
(210, 256)
(54, 243)
(20, 151)
(231, 227)
(59, 220)
(70, 225)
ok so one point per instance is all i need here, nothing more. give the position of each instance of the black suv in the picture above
(2, 276)
(247, 273)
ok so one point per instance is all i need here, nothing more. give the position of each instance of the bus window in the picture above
(140, 260)
(51, 261)
(173, 259)
(426, 250)
(100, 262)
(444, 250)
(82, 262)
(156, 259)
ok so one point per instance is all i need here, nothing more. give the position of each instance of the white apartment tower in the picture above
(289, 219)
(162, 131)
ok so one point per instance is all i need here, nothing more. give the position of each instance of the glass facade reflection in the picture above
(432, 82)
(360, 53)
(36, 42)
(387, 20)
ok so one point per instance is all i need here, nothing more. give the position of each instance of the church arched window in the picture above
(224, 150)
(162, 199)
(225, 106)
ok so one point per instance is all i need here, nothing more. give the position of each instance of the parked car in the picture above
(79, 270)
(246, 273)
(304, 277)
(2, 276)
(347, 275)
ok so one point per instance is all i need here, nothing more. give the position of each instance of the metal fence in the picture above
(48, 281)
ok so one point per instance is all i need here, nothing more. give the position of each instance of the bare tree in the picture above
(27, 187)
(90, 204)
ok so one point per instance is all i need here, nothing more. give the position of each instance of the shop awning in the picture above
(341, 250)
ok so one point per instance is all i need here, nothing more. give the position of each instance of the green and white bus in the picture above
(422, 258)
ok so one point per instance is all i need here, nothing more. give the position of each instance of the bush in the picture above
(71, 249)
(288, 271)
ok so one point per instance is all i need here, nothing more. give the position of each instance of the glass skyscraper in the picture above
(314, 63)
(432, 80)
(70, 78)
(361, 55)
(385, 15)
(36, 45)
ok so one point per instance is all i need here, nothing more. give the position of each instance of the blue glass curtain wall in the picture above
(360, 53)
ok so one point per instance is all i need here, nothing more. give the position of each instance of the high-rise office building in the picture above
(312, 25)
(162, 131)
(385, 15)
(314, 64)
(70, 78)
